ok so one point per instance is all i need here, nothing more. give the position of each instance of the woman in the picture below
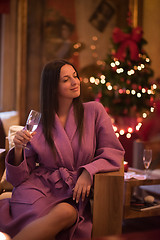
(52, 179)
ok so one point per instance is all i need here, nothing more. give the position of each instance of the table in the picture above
(129, 185)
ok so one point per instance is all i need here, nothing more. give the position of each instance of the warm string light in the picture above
(77, 45)
(94, 48)
(138, 93)
(130, 72)
(128, 132)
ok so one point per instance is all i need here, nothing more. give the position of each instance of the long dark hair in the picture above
(49, 100)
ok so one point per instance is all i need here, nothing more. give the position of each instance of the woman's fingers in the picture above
(84, 193)
(21, 138)
(23, 135)
(78, 194)
(75, 192)
(26, 135)
(83, 186)
(88, 190)
(81, 192)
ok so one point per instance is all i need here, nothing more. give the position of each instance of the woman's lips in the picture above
(75, 89)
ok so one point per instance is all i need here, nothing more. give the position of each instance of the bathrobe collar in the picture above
(63, 137)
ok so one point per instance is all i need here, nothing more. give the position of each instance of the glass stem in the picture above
(146, 172)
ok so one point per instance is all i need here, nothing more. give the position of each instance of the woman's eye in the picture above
(65, 80)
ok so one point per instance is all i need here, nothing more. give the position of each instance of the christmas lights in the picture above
(102, 80)
(124, 86)
(128, 132)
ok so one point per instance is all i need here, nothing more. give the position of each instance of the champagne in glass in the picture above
(147, 159)
(33, 121)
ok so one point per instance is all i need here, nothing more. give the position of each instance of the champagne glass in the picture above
(32, 121)
(147, 158)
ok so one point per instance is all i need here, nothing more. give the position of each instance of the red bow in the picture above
(127, 40)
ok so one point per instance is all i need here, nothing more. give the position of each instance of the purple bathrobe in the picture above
(43, 180)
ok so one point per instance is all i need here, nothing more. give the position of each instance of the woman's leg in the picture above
(61, 217)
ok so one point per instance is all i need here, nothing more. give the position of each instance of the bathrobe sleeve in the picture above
(18, 174)
(109, 151)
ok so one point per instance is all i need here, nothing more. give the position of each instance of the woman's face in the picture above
(69, 83)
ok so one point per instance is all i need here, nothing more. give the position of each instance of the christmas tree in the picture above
(126, 87)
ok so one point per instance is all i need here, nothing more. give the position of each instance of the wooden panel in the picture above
(108, 203)
(34, 53)
(8, 56)
(122, 7)
(21, 59)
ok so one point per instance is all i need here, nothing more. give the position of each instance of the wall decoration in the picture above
(59, 32)
(102, 15)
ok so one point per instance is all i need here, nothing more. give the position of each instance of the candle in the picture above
(125, 166)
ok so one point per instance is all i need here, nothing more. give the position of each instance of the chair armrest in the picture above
(108, 203)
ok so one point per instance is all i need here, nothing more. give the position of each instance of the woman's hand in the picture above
(21, 138)
(20, 141)
(83, 186)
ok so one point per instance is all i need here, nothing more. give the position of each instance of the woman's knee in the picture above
(68, 212)
(63, 215)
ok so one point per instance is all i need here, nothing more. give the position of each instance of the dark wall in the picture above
(34, 53)
(35, 46)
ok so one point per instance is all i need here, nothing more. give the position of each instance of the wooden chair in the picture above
(107, 202)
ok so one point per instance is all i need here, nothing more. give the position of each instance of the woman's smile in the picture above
(69, 84)
(75, 89)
